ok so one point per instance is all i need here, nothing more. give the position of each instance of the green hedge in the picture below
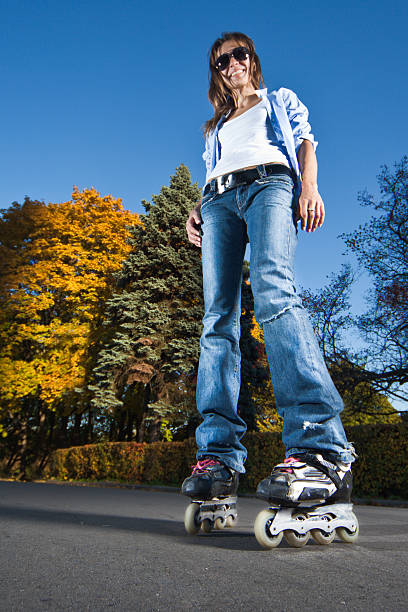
(380, 471)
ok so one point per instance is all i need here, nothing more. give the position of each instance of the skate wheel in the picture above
(323, 537)
(219, 523)
(346, 535)
(296, 540)
(190, 519)
(206, 526)
(262, 533)
(231, 521)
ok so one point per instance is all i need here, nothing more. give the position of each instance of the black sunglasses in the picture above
(239, 53)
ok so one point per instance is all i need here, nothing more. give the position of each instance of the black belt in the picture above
(245, 177)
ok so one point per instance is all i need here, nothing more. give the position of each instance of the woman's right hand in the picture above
(193, 225)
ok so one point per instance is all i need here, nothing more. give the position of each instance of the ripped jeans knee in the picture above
(273, 309)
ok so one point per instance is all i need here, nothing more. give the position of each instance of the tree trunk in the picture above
(90, 429)
(129, 427)
(121, 425)
(112, 430)
(62, 431)
(76, 437)
(154, 431)
(23, 451)
(49, 444)
(140, 419)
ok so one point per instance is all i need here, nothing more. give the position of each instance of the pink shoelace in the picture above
(288, 461)
(202, 466)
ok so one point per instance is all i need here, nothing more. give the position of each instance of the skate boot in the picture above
(307, 495)
(212, 487)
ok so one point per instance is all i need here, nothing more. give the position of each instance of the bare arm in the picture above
(311, 207)
(193, 225)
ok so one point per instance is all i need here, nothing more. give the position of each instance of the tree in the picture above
(381, 247)
(329, 310)
(363, 406)
(56, 266)
(151, 356)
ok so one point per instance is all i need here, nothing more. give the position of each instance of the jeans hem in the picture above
(348, 455)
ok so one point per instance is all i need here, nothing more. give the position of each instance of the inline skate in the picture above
(308, 495)
(212, 487)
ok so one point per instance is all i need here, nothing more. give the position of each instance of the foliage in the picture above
(56, 266)
(380, 448)
(267, 418)
(97, 304)
(330, 313)
(381, 247)
(117, 461)
(151, 354)
(362, 406)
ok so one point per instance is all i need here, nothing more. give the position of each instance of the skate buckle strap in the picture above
(202, 466)
(324, 466)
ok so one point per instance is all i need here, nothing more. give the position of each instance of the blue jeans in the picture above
(306, 397)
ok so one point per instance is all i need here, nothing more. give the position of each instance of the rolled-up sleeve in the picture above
(298, 115)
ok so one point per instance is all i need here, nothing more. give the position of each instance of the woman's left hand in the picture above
(310, 208)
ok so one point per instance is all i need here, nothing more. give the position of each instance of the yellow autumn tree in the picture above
(267, 418)
(363, 406)
(56, 267)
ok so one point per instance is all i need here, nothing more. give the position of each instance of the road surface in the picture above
(67, 548)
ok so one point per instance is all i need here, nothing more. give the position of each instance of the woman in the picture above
(261, 180)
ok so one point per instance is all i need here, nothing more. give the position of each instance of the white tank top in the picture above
(248, 140)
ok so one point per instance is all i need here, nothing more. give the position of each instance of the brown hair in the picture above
(220, 96)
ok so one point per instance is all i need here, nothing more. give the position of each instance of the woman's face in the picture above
(236, 75)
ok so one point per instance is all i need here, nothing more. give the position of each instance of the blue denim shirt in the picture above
(289, 118)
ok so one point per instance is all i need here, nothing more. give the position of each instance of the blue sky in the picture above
(112, 94)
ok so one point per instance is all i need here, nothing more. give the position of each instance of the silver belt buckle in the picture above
(220, 186)
(227, 183)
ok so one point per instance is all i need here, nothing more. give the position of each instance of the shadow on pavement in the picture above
(168, 528)
(228, 538)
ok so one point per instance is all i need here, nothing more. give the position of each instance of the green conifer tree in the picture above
(150, 356)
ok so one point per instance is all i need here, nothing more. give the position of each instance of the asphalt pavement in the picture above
(65, 548)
